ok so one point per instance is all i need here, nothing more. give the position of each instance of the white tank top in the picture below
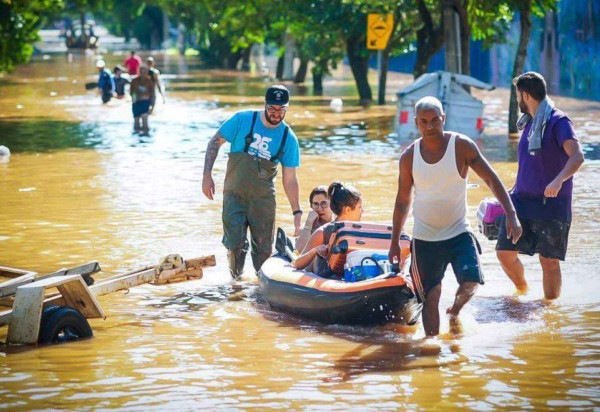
(440, 201)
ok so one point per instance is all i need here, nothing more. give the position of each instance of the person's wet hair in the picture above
(531, 83)
(319, 190)
(341, 195)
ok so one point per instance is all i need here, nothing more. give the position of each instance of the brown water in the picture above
(80, 187)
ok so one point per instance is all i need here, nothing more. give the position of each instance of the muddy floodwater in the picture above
(80, 186)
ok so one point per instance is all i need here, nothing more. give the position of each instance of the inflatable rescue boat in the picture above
(387, 298)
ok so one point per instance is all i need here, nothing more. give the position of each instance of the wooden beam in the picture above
(9, 288)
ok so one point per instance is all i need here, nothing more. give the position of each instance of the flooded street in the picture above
(80, 187)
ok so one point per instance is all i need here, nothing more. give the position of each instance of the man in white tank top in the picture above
(436, 166)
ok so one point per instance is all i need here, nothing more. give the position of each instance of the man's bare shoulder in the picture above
(464, 142)
(408, 152)
(406, 159)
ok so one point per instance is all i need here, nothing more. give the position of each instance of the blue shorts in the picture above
(140, 107)
(430, 260)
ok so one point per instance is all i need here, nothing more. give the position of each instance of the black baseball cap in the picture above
(277, 95)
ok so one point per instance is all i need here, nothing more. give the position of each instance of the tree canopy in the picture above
(322, 32)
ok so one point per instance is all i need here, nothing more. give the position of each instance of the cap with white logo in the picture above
(277, 95)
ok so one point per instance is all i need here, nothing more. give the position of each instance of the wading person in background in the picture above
(133, 63)
(155, 76)
(436, 166)
(120, 82)
(260, 140)
(106, 83)
(549, 154)
(319, 215)
(142, 90)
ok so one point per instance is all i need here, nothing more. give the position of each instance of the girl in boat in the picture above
(320, 215)
(346, 202)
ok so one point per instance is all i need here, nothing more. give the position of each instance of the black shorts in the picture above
(549, 238)
(140, 107)
(430, 260)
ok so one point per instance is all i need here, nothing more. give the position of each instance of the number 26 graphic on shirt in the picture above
(261, 143)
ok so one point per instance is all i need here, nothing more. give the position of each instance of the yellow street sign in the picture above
(379, 29)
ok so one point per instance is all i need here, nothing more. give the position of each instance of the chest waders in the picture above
(249, 202)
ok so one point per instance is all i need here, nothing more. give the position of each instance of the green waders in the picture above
(249, 202)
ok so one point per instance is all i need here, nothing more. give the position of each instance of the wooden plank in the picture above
(9, 288)
(77, 295)
(5, 317)
(85, 269)
(178, 277)
(141, 276)
(74, 293)
(24, 326)
(201, 262)
(113, 284)
(8, 272)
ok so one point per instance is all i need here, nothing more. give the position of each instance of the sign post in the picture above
(379, 30)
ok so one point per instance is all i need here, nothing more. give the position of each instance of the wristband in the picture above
(297, 212)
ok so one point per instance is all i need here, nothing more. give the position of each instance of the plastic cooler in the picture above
(365, 264)
(489, 216)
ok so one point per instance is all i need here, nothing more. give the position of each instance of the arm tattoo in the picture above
(212, 151)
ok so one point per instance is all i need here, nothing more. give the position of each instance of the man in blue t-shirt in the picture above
(549, 154)
(260, 140)
(106, 83)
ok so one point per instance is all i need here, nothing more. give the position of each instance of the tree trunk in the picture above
(465, 37)
(279, 69)
(518, 66)
(84, 36)
(429, 40)
(302, 71)
(359, 64)
(383, 71)
(246, 59)
(317, 83)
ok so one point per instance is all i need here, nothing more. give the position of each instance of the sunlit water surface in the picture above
(80, 186)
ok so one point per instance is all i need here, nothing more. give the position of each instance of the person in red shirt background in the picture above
(133, 64)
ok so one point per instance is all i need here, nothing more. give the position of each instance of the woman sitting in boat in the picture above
(346, 202)
(319, 215)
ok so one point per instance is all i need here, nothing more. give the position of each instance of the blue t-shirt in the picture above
(265, 141)
(537, 171)
(106, 82)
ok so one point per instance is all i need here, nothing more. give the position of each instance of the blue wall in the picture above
(565, 48)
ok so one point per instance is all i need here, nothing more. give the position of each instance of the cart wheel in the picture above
(63, 324)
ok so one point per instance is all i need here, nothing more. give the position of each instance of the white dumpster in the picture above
(464, 113)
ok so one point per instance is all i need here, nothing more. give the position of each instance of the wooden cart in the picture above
(54, 307)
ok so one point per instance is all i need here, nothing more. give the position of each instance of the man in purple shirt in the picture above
(549, 154)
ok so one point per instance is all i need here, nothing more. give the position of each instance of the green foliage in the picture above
(119, 16)
(490, 19)
(20, 21)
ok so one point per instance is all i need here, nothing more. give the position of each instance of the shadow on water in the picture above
(506, 309)
(40, 135)
(394, 357)
(199, 299)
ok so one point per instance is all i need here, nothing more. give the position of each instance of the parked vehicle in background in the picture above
(78, 37)
(464, 113)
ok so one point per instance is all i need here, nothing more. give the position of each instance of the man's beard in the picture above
(523, 108)
(268, 117)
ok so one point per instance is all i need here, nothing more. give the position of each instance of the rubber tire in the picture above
(63, 324)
